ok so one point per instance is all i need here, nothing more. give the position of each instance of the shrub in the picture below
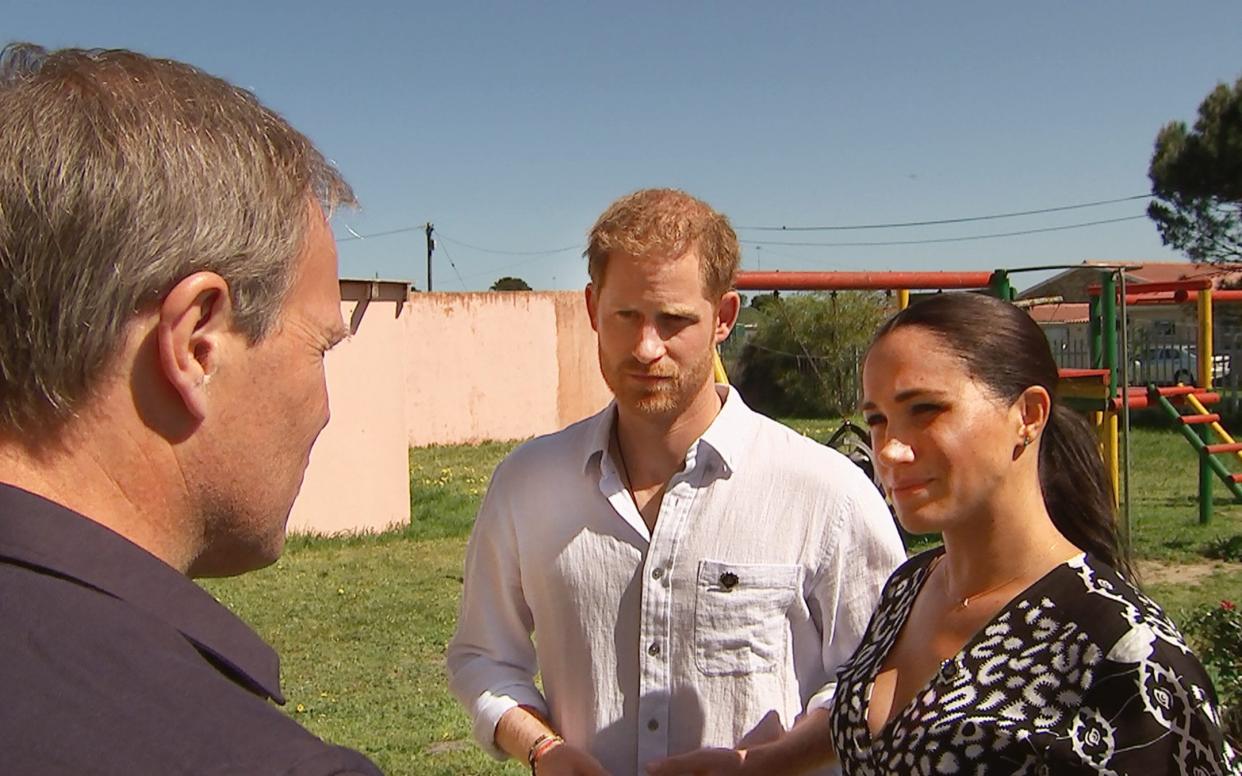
(801, 355)
(1225, 548)
(1216, 634)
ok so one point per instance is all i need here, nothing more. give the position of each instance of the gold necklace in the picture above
(964, 603)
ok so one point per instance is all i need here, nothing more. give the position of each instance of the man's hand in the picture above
(702, 762)
(768, 730)
(718, 762)
(521, 727)
(767, 750)
(566, 760)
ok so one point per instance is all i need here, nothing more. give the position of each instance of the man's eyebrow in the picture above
(684, 311)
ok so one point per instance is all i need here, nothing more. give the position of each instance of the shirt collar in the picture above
(599, 435)
(728, 435)
(731, 431)
(44, 535)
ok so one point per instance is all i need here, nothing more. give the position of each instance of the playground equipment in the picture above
(851, 440)
(902, 282)
(1102, 391)
(1197, 425)
(854, 442)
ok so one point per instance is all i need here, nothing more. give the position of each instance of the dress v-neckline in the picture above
(924, 573)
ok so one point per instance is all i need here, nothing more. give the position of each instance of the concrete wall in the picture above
(581, 390)
(427, 369)
(510, 365)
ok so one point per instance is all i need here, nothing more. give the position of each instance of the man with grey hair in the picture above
(168, 288)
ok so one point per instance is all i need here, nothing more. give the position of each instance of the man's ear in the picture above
(726, 314)
(194, 319)
(592, 304)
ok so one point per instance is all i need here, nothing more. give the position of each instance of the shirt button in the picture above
(948, 670)
(654, 649)
(657, 573)
(653, 725)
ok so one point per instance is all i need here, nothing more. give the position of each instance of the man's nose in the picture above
(650, 345)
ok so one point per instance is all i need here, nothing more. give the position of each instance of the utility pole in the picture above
(431, 246)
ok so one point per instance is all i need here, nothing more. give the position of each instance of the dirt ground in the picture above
(1159, 572)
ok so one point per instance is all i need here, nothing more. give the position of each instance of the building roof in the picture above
(1222, 276)
(1063, 312)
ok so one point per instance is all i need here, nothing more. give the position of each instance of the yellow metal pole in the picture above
(718, 368)
(1205, 338)
(1112, 454)
(1106, 431)
(1217, 428)
(903, 298)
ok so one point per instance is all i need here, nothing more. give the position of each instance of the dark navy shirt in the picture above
(113, 662)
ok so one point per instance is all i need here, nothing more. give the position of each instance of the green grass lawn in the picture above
(362, 622)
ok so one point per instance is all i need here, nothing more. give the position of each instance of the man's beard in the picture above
(667, 398)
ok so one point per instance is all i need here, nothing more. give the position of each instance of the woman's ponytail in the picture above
(1076, 487)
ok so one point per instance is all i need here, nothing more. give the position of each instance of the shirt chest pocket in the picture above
(741, 616)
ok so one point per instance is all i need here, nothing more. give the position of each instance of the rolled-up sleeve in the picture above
(861, 551)
(491, 659)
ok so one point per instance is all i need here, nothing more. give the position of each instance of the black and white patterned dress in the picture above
(1081, 673)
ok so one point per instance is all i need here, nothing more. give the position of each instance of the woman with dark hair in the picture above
(1022, 645)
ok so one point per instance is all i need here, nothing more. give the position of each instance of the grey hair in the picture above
(121, 174)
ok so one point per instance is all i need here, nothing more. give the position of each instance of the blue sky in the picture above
(511, 126)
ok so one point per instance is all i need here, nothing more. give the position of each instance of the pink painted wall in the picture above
(480, 366)
(439, 369)
(580, 387)
(358, 477)
(498, 365)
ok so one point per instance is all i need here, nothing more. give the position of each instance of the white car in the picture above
(1172, 364)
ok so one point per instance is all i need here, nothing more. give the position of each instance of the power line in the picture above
(403, 230)
(894, 225)
(966, 238)
(454, 266)
(968, 219)
(356, 236)
(510, 253)
(509, 266)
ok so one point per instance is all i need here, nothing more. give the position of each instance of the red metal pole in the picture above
(859, 281)
(1183, 297)
(1197, 284)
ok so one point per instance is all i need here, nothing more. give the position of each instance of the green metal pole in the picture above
(1093, 338)
(999, 285)
(1108, 324)
(1205, 479)
(1208, 464)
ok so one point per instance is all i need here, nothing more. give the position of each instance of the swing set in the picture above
(1102, 391)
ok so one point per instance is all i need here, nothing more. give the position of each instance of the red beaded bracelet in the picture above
(540, 747)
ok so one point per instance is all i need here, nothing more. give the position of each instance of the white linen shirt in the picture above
(767, 558)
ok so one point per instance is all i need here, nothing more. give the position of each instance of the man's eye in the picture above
(924, 409)
(873, 420)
